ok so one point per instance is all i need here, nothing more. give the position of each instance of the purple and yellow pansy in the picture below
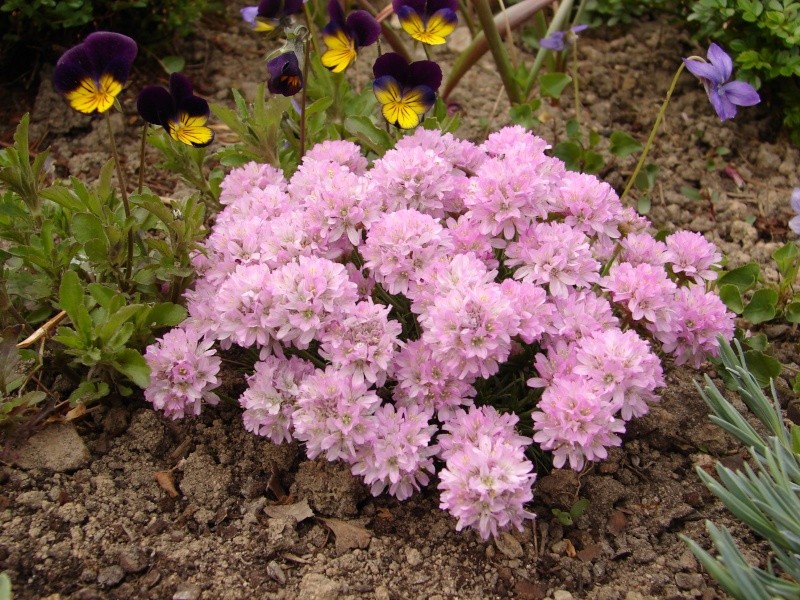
(182, 114)
(285, 75)
(92, 74)
(427, 21)
(345, 37)
(268, 14)
(405, 91)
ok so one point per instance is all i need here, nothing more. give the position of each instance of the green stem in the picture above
(465, 12)
(303, 104)
(141, 159)
(311, 29)
(575, 84)
(498, 51)
(125, 204)
(649, 144)
(557, 24)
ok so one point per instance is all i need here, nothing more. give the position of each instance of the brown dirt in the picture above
(102, 526)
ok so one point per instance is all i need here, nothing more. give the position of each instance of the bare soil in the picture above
(92, 515)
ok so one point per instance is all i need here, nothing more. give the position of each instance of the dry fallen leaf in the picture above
(299, 511)
(167, 483)
(76, 413)
(590, 552)
(348, 535)
(570, 549)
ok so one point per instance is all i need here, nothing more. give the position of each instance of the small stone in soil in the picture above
(275, 572)
(110, 576)
(689, 581)
(186, 591)
(132, 560)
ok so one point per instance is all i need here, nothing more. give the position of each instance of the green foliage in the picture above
(765, 496)
(16, 368)
(568, 517)
(624, 12)
(763, 38)
(65, 248)
(5, 587)
(30, 21)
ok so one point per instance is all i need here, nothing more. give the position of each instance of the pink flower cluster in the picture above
(382, 298)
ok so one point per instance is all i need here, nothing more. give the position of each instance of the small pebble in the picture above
(562, 595)
(275, 572)
(186, 591)
(414, 557)
(110, 576)
(132, 560)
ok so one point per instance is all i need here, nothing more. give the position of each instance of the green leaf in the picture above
(552, 84)
(368, 134)
(744, 278)
(318, 106)
(577, 509)
(762, 307)
(623, 145)
(792, 312)
(643, 205)
(101, 293)
(86, 227)
(172, 64)
(132, 364)
(646, 178)
(762, 366)
(758, 341)
(166, 314)
(70, 293)
(592, 162)
(691, 193)
(88, 392)
(573, 130)
(786, 258)
(732, 298)
(570, 153)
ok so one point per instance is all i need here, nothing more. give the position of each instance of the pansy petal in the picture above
(113, 53)
(73, 66)
(292, 7)
(419, 99)
(285, 76)
(418, 6)
(434, 6)
(269, 9)
(721, 61)
(364, 27)
(191, 130)
(424, 72)
(386, 89)
(335, 14)
(180, 87)
(194, 106)
(412, 24)
(724, 108)
(401, 115)
(390, 63)
(155, 105)
(701, 69)
(740, 93)
(341, 51)
(440, 25)
(94, 96)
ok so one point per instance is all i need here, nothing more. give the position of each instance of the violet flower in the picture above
(405, 91)
(285, 76)
(182, 114)
(558, 40)
(794, 222)
(269, 14)
(92, 74)
(427, 21)
(724, 95)
(344, 37)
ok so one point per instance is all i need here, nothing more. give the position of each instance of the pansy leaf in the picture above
(367, 133)
(553, 84)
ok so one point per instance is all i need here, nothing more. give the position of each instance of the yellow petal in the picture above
(191, 131)
(341, 52)
(91, 96)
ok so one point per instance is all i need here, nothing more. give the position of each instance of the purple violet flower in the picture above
(724, 95)
(285, 76)
(182, 114)
(344, 37)
(558, 40)
(794, 222)
(269, 14)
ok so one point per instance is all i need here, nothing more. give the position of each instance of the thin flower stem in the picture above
(649, 144)
(498, 50)
(141, 159)
(125, 204)
(427, 52)
(303, 101)
(310, 26)
(575, 84)
(557, 24)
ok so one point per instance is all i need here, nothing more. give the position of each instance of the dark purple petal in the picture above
(73, 66)
(335, 14)
(180, 87)
(721, 61)
(740, 93)
(292, 7)
(155, 105)
(390, 63)
(701, 69)
(424, 72)
(365, 28)
(112, 54)
(194, 106)
(418, 6)
(436, 5)
(269, 9)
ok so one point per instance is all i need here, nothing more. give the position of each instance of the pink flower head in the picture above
(691, 255)
(341, 152)
(643, 248)
(644, 290)
(588, 205)
(183, 372)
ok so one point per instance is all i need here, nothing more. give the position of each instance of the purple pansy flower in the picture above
(344, 37)
(93, 73)
(794, 222)
(427, 21)
(177, 110)
(285, 76)
(724, 95)
(559, 40)
(405, 91)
